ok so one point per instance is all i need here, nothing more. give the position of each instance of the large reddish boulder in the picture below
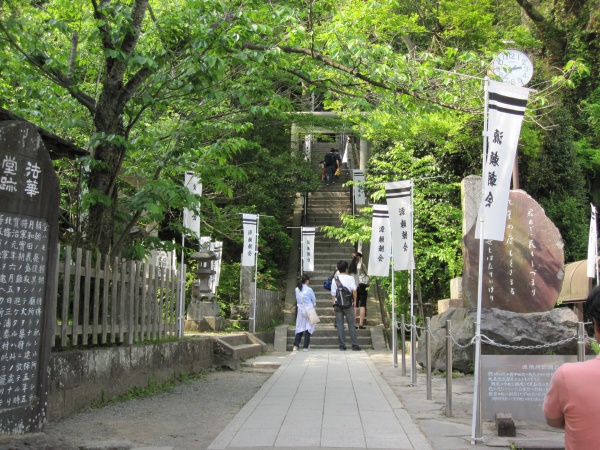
(524, 272)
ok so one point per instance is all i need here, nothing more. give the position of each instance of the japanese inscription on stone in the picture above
(517, 384)
(524, 272)
(29, 197)
(22, 279)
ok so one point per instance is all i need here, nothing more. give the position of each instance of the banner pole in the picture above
(476, 423)
(596, 244)
(301, 251)
(412, 289)
(412, 240)
(255, 274)
(181, 287)
(395, 325)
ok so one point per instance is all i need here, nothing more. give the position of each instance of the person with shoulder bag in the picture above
(306, 318)
(343, 296)
(359, 271)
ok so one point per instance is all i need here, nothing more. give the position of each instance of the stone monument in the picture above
(29, 202)
(524, 272)
(522, 278)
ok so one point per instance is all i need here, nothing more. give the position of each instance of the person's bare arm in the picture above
(354, 295)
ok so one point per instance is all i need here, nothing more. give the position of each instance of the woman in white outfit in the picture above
(305, 299)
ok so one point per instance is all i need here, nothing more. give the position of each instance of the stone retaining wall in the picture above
(79, 379)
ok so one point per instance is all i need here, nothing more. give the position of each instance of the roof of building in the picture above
(57, 147)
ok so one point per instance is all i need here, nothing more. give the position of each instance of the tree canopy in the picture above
(153, 88)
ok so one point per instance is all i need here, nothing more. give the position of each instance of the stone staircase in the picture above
(324, 208)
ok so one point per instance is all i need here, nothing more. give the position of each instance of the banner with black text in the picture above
(399, 202)
(250, 223)
(308, 249)
(358, 176)
(381, 242)
(506, 108)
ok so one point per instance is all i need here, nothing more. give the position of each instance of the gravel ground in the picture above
(188, 416)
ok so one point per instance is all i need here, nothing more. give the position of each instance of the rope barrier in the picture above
(487, 340)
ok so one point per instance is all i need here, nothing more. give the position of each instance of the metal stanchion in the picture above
(413, 351)
(448, 370)
(428, 355)
(403, 340)
(580, 343)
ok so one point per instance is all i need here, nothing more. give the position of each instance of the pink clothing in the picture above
(574, 395)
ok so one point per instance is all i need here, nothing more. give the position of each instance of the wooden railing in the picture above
(99, 301)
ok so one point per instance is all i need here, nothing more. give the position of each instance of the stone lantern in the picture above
(204, 313)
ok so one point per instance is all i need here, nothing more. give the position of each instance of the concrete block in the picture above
(446, 304)
(456, 288)
(505, 425)
(280, 339)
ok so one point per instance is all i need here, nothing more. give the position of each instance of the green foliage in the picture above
(228, 292)
(207, 86)
(152, 389)
(563, 195)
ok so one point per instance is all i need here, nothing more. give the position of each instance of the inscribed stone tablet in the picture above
(517, 384)
(524, 272)
(29, 197)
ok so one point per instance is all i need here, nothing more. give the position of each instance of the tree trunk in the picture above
(100, 230)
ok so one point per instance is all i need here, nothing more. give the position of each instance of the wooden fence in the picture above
(268, 308)
(106, 302)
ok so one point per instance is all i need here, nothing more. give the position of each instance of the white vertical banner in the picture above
(250, 223)
(381, 242)
(307, 146)
(506, 108)
(358, 176)
(346, 150)
(399, 202)
(592, 255)
(191, 220)
(308, 249)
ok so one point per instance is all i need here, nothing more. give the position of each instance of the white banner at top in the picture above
(308, 249)
(191, 220)
(592, 255)
(250, 222)
(506, 108)
(346, 150)
(358, 176)
(307, 147)
(381, 242)
(399, 201)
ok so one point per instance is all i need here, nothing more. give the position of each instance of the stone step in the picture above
(328, 206)
(327, 194)
(323, 339)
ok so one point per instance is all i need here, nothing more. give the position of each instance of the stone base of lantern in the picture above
(197, 310)
(208, 323)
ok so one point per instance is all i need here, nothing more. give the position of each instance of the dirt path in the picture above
(188, 417)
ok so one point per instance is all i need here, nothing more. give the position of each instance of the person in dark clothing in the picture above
(331, 164)
(359, 271)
